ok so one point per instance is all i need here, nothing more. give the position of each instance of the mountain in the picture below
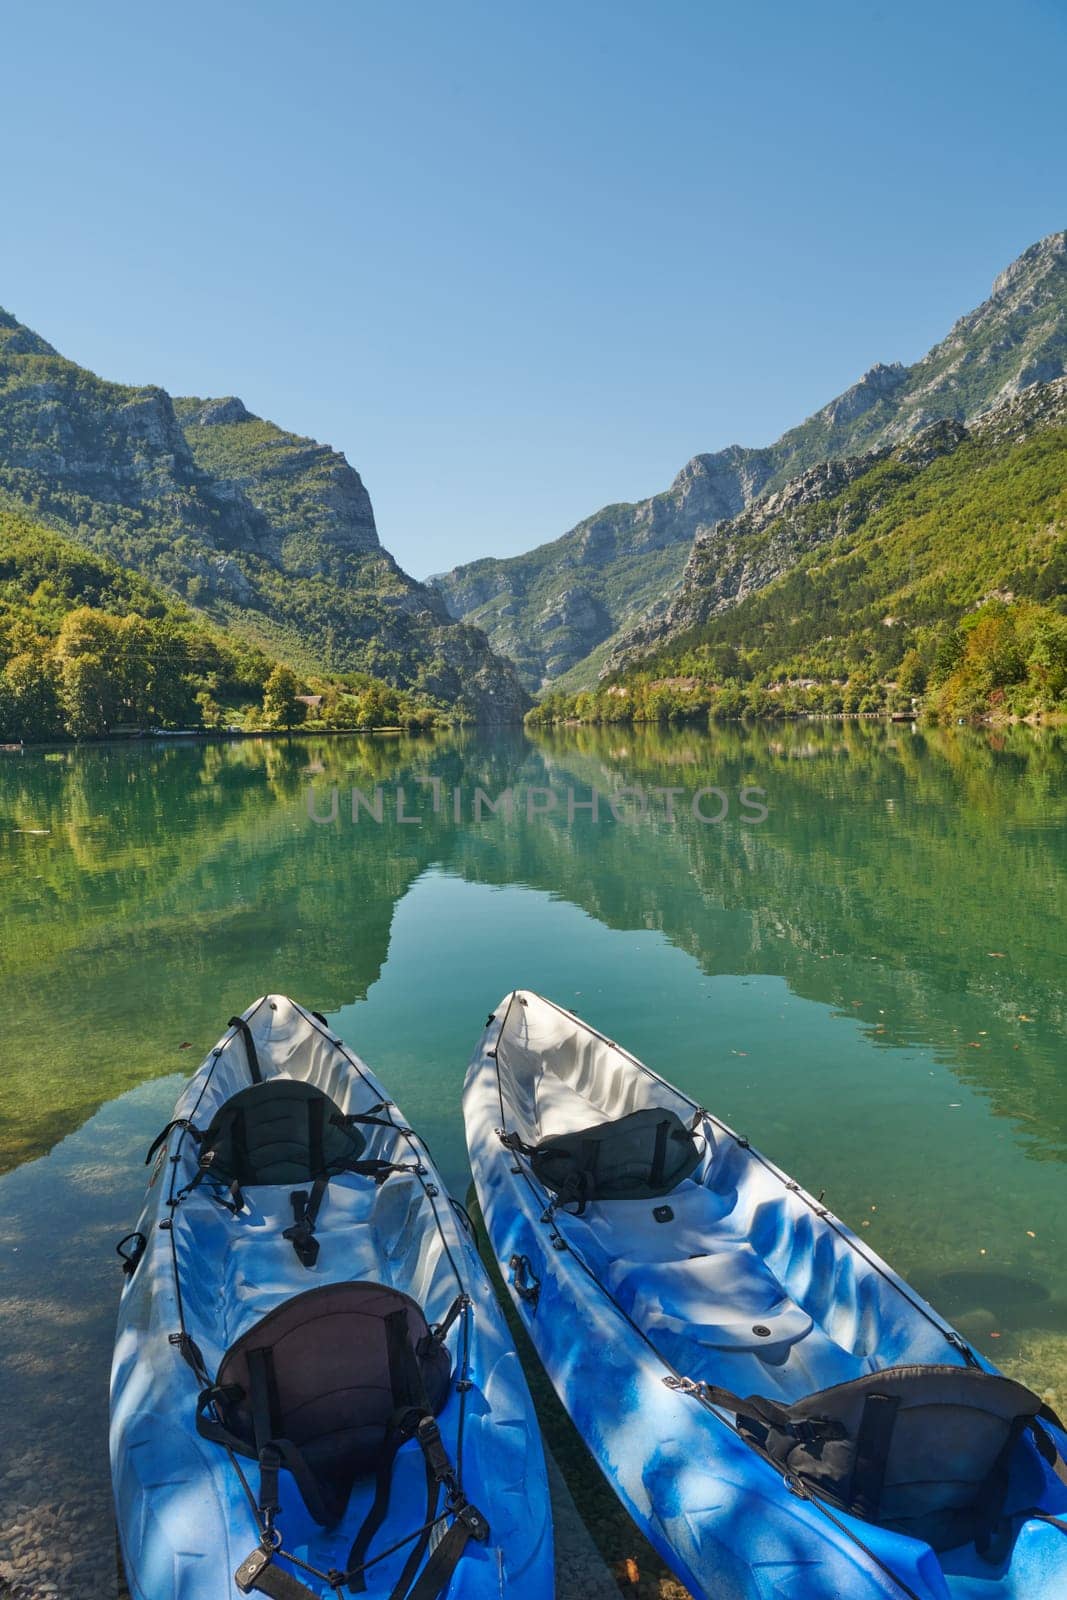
(266, 532)
(557, 611)
(940, 561)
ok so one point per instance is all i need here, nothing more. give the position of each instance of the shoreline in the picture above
(1035, 720)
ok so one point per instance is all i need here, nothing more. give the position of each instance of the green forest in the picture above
(89, 648)
(934, 586)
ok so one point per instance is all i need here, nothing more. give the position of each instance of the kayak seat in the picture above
(726, 1300)
(922, 1450)
(642, 1155)
(327, 1386)
(281, 1131)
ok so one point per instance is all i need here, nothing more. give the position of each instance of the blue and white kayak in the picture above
(782, 1416)
(314, 1392)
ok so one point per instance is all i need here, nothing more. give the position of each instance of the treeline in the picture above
(1002, 660)
(88, 649)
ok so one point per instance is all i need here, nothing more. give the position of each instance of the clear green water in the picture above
(846, 981)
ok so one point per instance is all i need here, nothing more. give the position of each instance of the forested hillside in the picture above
(88, 647)
(934, 573)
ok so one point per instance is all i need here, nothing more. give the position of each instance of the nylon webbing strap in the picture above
(1046, 1444)
(437, 1573)
(383, 1480)
(872, 1452)
(302, 1233)
(250, 1046)
(771, 1414)
(259, 1382)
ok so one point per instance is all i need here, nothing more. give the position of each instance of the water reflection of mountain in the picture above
(177, 882)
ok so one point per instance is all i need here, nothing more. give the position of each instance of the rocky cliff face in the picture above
(746, 553)
(630, 558)
(266, 531)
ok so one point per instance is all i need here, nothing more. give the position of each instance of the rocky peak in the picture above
(18, 340)
(879, 381)
(1047, 256)
(214, 413)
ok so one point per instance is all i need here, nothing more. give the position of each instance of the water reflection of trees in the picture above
(178, 881)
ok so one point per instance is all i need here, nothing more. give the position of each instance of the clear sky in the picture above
(518, 261)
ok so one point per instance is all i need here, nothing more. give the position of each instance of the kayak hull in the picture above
(722, 1517)
(184, 1517)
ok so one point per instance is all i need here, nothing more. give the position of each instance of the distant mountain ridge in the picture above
(744, 558)
(558, 610)
(267, 532)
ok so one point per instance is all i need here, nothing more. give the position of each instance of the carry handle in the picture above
(527, 1287)
(130, 1250)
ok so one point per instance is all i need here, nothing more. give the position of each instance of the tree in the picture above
(29, 697)
(280, 705)
(912, 675)
(89, 654)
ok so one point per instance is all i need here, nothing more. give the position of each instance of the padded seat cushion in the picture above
(645, 1154)
(280, 1131)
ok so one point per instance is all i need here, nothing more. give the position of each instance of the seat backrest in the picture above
(921, 1450)
(342, 1361)
(279, 1131)
(641, 1155)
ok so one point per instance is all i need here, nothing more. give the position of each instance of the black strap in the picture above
(349, 1119)
(191, 1354)
(437, 1573)
(383, 1480)
(872, 1453)
(459, 1305)
(301, 1234)
(757, 1407)
(250, 1046)
(1046, 1444)
(162, 1137)
(468, 1524)
(260, 1383)
(418, 1549)
(659, 1155)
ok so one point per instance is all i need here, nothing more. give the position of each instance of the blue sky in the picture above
(520, 261)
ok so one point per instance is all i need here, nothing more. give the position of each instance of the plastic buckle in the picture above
(251, 1569)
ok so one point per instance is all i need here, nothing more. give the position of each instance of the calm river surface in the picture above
(869, 983)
